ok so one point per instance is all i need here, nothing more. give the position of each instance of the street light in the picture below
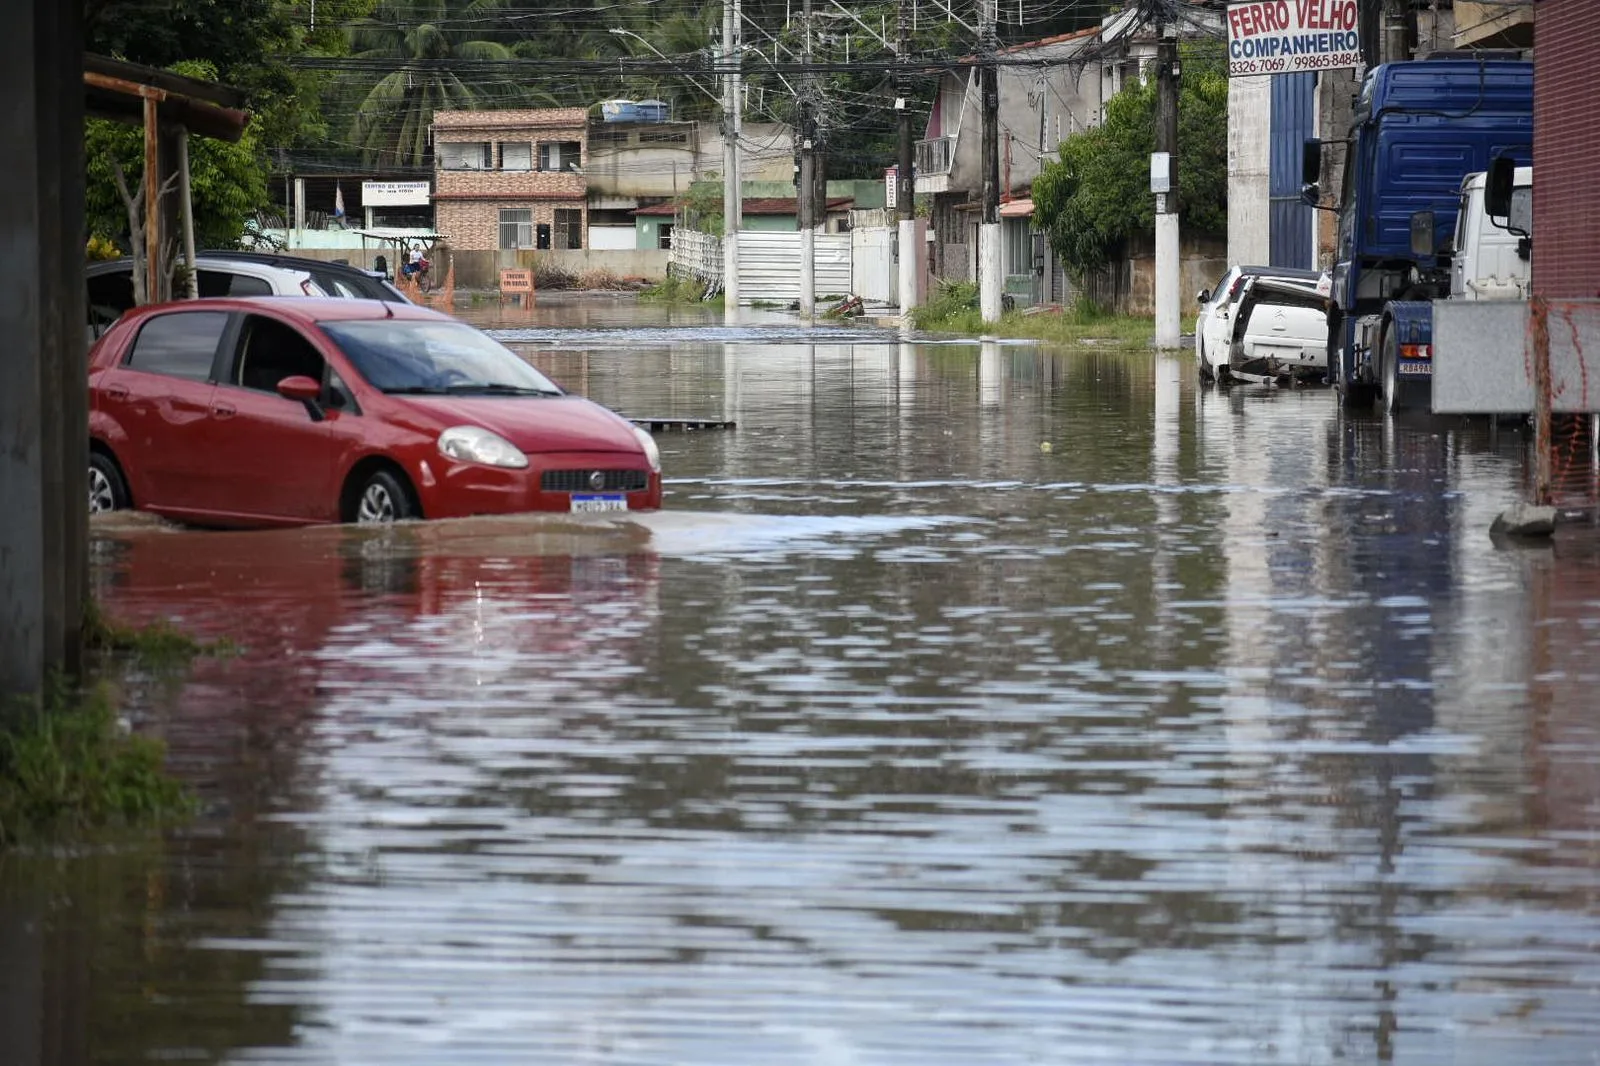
(620, 32)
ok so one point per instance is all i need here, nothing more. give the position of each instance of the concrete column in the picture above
(989, 267)
(43, 419)
(1249, 170)
(1168, 326)
(911, 260)
(21, 986)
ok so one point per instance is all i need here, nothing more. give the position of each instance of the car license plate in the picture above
(599, 502)
(1419, 369)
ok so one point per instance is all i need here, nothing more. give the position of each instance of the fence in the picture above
(696, 255)
(769, 263)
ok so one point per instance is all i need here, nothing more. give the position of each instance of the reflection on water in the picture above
(1218, 731)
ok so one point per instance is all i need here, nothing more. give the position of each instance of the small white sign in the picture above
(393, 193)
(1160, 172)
(891, 181)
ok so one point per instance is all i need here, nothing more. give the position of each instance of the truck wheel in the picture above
(1398, 395)
(1357, 395)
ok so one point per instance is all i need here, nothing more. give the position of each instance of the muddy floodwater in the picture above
(966, 704)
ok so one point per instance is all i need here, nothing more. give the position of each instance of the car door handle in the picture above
(116, 392)
(224, 410)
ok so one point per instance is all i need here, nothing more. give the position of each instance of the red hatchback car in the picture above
(287, 411)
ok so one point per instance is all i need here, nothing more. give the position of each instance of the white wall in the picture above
(613, 238)
(1249, 170)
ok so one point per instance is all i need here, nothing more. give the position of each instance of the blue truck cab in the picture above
(1420, 127)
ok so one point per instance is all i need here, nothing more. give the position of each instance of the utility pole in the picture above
(989, 230)
(1164, 183)
(1396, 31)
(732, 205)
(804, 192)
(905, 188)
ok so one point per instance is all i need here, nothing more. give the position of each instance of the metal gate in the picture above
(872, 264)
(1290, 234)
(769, 266)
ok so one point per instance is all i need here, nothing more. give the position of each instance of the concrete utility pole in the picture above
(1396, 31)
(1167, 243)
(732, 204)
(44, 421)
(905, 187)
(989, 303)
(804, 192)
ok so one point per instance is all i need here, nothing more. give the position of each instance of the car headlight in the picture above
(651, 452)
(474, 444)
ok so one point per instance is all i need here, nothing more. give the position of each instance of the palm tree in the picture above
(392, 120)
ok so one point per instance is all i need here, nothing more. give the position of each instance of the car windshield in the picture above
(435, 358)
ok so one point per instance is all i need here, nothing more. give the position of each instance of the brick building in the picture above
(1566, 213)
(511, 179)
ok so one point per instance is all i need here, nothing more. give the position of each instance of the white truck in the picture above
(1489, 260)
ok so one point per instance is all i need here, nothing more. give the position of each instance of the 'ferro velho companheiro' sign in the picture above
(1287, 36)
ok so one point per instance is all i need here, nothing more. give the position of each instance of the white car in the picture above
(1280, 333)
(1213, 327)
(110, 284)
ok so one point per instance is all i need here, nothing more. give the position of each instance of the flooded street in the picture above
(967, 704)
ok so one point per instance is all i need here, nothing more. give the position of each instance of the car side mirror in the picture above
(1311, 161)
(1498, 185)
(1203, 296)
(304, 390)
(1423, 241)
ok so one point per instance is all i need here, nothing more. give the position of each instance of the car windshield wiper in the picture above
(497, 388)
(471, 388)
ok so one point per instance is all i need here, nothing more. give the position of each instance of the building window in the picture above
(516, 157)
(663, 137)
(664, 236)
(466, 155)
(560, 155)
(1018, 246)
(516, 227)
(569, 228)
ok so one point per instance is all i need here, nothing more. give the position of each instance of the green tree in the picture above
(392, 120)
(1097, 195)
(228, 181)
(245, 42)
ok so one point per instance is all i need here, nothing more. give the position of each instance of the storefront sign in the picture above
(393, 193)
(1292, 36)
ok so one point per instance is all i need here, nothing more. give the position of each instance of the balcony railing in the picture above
(935, 156)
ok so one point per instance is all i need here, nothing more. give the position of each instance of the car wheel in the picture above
(107, 490)
(1207, 377)
(383, 499)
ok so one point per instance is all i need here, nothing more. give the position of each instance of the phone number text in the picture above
(1285, 64)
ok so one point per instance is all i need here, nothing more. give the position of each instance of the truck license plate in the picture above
(1419, 369)
(599, 502)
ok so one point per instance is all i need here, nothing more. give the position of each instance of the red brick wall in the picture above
(533, 184)
(1566, 210)
(474, 225)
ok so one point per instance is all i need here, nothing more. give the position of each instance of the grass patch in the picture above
(676, 289)
(160, 644)
(954, 309)
(67, 765)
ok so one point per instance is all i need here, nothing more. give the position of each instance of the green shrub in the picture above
(950, 303)
(67, 765)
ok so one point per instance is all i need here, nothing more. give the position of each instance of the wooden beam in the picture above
(122, 85)
(152, 197)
